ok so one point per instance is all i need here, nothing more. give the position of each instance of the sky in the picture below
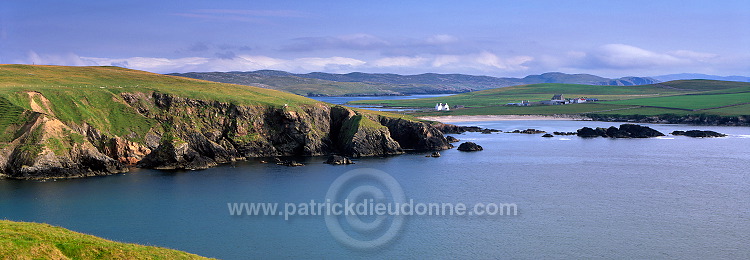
(497, 38)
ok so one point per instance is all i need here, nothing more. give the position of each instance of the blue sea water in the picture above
(667, 197)
(343, 100)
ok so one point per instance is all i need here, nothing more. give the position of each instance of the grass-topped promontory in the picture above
(23, 240)
(66, 80)
(93, 95)
(710, 97)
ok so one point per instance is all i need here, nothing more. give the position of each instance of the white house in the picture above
(442, 107)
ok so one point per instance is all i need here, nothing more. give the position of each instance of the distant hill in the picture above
(358, 83)
(687, 76)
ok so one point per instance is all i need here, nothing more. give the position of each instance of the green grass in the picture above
(675, 97)
(23, 240)
(691, 102)
(11, 115)
(733, 110)
(534, 92)
(704, 85)
(115, 80)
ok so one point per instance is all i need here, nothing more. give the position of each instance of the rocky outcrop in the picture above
(454, 129)
(625, 131)
(698, 133)
(47, 148)
(188, 133)
(691, 119)
(416, 136)
(548, 135)
(338, 160)
(528, 131)
(470, 147)
(452, 139)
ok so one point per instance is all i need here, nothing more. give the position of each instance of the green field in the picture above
(676, 97)
(23, 240)
(689, 102)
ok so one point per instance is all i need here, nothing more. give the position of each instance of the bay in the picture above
(666, 197)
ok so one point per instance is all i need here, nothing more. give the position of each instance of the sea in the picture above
(526, 197)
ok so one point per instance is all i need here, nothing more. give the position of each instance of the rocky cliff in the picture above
(189, 133)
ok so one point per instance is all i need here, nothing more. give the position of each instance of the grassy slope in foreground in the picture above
(23, 240)
(676, 97)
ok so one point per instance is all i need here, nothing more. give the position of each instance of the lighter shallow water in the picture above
(670, 197)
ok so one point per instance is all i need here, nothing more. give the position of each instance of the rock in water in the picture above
(452, 139)
(588, 132)
(698, 133)
(434, 154)
(338, 160)
(528, 131)
(290, 163)
(548, 135)
(638, 131)
(625, 131)
(469, 147)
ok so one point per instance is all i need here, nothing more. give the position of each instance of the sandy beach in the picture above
(457, 119)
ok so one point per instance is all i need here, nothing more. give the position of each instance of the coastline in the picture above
(459, 119)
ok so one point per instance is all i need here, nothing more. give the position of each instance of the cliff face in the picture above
(197, 134)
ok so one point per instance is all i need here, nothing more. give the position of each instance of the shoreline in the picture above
(459, 119)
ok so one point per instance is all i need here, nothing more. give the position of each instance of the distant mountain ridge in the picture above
(359, 83)
(687, 76)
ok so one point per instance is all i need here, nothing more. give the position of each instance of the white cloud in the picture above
(626, 56)
(56, 59)
(693, 55)
(445, 60)
(400, 61)
(611, 60)
(441, 39)
(509, 64)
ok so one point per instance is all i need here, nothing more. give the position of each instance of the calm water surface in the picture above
(342, 100)
(668, 197)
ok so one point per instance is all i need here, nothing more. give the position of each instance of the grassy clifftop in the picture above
(23, 240)
(92, 94)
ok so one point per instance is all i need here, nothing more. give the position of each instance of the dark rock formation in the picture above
(416, 136)
(638, 131)
(454, 129)
(699, 133)
(290, 163)
(434, 154)
(489, 131)
(625, 131)
(564, 133)
(469, 147)
(452, 139)
(338, 160)
(692, 119)
(589, 132)
(528, 131)
(548, 135)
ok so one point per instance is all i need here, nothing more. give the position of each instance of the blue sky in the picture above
(497, 38)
